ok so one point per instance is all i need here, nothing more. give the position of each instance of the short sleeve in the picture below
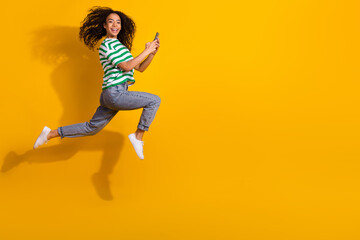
(115, 52)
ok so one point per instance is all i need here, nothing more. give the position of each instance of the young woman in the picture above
(118, 65)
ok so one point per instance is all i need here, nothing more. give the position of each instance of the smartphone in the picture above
(156, 36)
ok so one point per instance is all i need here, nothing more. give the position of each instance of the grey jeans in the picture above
(112, 100)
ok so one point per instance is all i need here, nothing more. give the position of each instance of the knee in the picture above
(153, 102)
(157, 100)
(92, 129)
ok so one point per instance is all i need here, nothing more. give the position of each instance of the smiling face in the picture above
(112, 25)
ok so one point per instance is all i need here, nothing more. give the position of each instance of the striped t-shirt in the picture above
(111, 53)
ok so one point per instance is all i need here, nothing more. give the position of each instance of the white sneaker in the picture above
(138, 145)
(42, 138)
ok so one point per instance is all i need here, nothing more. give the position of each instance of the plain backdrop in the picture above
(256, 137)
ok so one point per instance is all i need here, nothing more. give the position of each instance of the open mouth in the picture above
(114, 29)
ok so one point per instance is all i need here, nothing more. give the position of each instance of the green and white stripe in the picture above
(111, 53)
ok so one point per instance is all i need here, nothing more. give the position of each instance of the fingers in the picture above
(154, 44)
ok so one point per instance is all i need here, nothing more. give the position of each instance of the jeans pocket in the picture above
(107, 98)
(121, 87)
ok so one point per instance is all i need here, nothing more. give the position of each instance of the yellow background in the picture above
(256, 137)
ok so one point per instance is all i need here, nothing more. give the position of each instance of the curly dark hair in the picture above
(92, 30)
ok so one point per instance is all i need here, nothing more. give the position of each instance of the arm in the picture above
(127, 66)
(142, 66)
(136, 62)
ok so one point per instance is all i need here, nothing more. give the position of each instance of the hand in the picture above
(151, 47)
(154, 52)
